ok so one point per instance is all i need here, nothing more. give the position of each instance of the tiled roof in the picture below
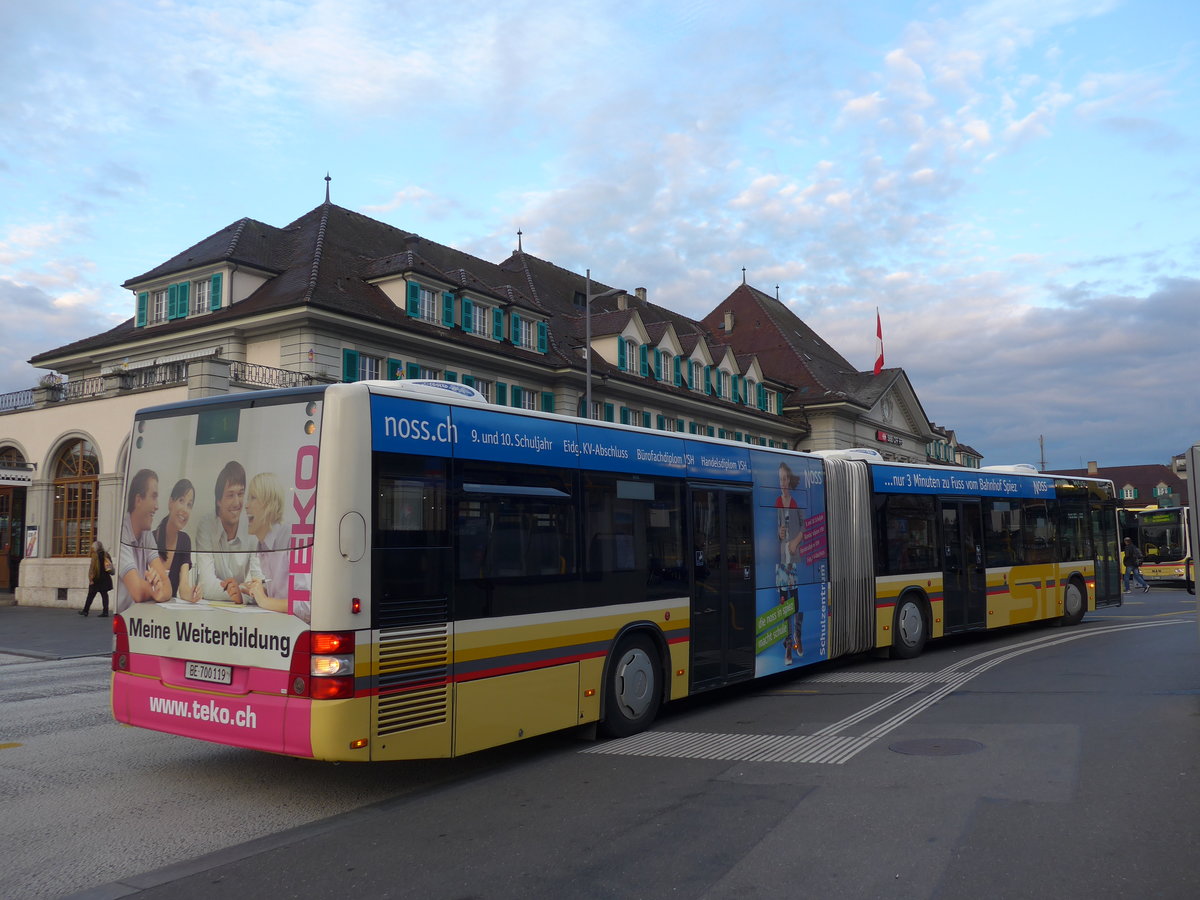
(1144, 478)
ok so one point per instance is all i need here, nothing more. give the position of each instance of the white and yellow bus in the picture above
(398, 570)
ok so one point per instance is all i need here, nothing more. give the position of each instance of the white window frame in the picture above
(697, 376)
(529, 398)
(481, 321)
(528, 335)
(201, 292)
(487, 388)
(430, 310)
(158, 306)
(369, 367)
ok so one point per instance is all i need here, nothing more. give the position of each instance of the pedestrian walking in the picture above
(99, 578)
(1133, 566)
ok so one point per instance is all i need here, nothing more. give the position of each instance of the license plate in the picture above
(198, 671)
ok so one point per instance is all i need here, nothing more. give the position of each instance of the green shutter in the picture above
(657, 365)
(514, 328)
(349, 365)
(608, 412)
(469, 380)
(548, 401)
(679, 425)
(645, 420)
(543, 338)
(395, 369)
(172, 300)
(214, 295)
(448, 309)
(181, 304)
(643, 360)
(621, 354)
(450, 376)
(762, 396)
(501, 394)
(624, 415)
(412, 370)
(143, 302)
(498, 324)
(779, 403)
(708, 380)
(710, 431)
(468, 314)
(517, 393)
(414, 299)
(660, 422)
(678, 371)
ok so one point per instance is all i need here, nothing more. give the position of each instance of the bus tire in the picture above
(632, 689)
(1074, 602)
(910, 628)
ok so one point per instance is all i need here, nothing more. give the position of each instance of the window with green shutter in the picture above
(657, 366)
(450, 376)
(414, 300)
(548, 401)
(214, 294)
(469, 380)
(678, 373)
(412, 370)
(501, 393)
(349, 365)
(660, 422)
(645, 420)
(622, 353)
(498, 324)
(679, 425)
(143, 304)
(708, 387)
(468, 314)
(643, 360)
(609, 412)
(395, 369)
(543, 337)
(448, 309)
(624, 415)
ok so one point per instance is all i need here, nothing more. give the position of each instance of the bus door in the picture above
(1106, 550)
(722, 585)
(964, 575)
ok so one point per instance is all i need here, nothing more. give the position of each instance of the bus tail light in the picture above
(120, 645)
(323, 665)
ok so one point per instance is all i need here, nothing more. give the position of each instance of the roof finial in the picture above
(743, 274)
(327, 180)
(776, 292)
(519, 240)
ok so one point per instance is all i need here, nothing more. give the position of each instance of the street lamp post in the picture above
(587, 317)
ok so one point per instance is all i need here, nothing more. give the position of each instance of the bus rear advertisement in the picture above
(398, 570)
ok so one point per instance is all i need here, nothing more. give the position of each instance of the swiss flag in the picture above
(878, 342)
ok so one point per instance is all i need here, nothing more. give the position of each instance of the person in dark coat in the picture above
(99, 579)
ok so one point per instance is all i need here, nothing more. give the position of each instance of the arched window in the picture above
(11, 458)
(76, 492)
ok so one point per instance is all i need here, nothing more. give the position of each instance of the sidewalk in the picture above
(36, 632)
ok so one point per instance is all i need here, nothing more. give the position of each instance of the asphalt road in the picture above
(1031, 762)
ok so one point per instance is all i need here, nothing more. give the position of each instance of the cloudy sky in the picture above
(1013, 184)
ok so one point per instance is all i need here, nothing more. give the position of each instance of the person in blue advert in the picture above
(264, 521)
(225, 560)
(141, 575)
(174, 544)
(791, 531)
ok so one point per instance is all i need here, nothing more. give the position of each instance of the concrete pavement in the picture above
(37, 632)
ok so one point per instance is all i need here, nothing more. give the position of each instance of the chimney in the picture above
(641, 294)
(728, 322)
(622, 301)
(1093, 469)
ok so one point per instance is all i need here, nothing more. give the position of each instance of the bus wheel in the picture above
(633, 691)
(908, 629)
(1074, 603)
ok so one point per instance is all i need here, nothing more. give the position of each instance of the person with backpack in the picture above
(1133, 562)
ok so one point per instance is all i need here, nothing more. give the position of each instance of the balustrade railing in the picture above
(84, 387)
(266, 376)
(16, 400)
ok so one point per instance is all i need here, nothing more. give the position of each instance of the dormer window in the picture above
(201, 292)
(158, 307)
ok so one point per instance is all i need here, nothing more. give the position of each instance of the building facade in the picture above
(338, 296)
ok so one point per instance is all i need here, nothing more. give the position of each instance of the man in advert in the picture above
(141, 576)
(225, 559)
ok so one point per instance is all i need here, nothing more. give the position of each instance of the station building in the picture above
(339, 296)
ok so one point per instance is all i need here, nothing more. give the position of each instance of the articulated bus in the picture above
(399, 570)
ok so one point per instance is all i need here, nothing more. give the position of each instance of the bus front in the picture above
(214, 576)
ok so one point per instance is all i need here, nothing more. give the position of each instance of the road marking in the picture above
(10, 746)
(829, 745)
